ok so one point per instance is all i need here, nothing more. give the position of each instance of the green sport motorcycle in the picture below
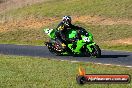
(80, 47)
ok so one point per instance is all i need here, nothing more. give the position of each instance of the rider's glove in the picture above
(63, 44)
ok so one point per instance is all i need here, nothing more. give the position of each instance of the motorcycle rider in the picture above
(64, 26)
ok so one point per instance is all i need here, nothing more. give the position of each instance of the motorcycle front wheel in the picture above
(96, 51)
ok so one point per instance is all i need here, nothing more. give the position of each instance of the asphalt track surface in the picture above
(108, 57)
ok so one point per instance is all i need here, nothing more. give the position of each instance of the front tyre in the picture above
(96, 51)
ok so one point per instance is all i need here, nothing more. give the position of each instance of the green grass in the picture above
(53, 8)
(117, 47)
(23, 36)
(31, 72)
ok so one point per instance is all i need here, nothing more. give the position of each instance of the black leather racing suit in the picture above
(62, 30)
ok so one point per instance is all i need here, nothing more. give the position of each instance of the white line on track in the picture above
(129, 66)
(74, 61)
(117, 50)
(115, 65)
(103, 64)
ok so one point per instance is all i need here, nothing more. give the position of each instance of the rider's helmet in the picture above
(66, 20)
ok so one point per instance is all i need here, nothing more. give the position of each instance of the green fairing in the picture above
(79, 44)
(70, 46)
(91, 40)
(75, 46)
(90, 36)
(50, 33)
(72, 34)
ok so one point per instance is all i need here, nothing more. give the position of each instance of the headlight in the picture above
(48, 31)
(86, 39)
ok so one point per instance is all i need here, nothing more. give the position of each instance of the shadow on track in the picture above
(113, 56)
(102, 56)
